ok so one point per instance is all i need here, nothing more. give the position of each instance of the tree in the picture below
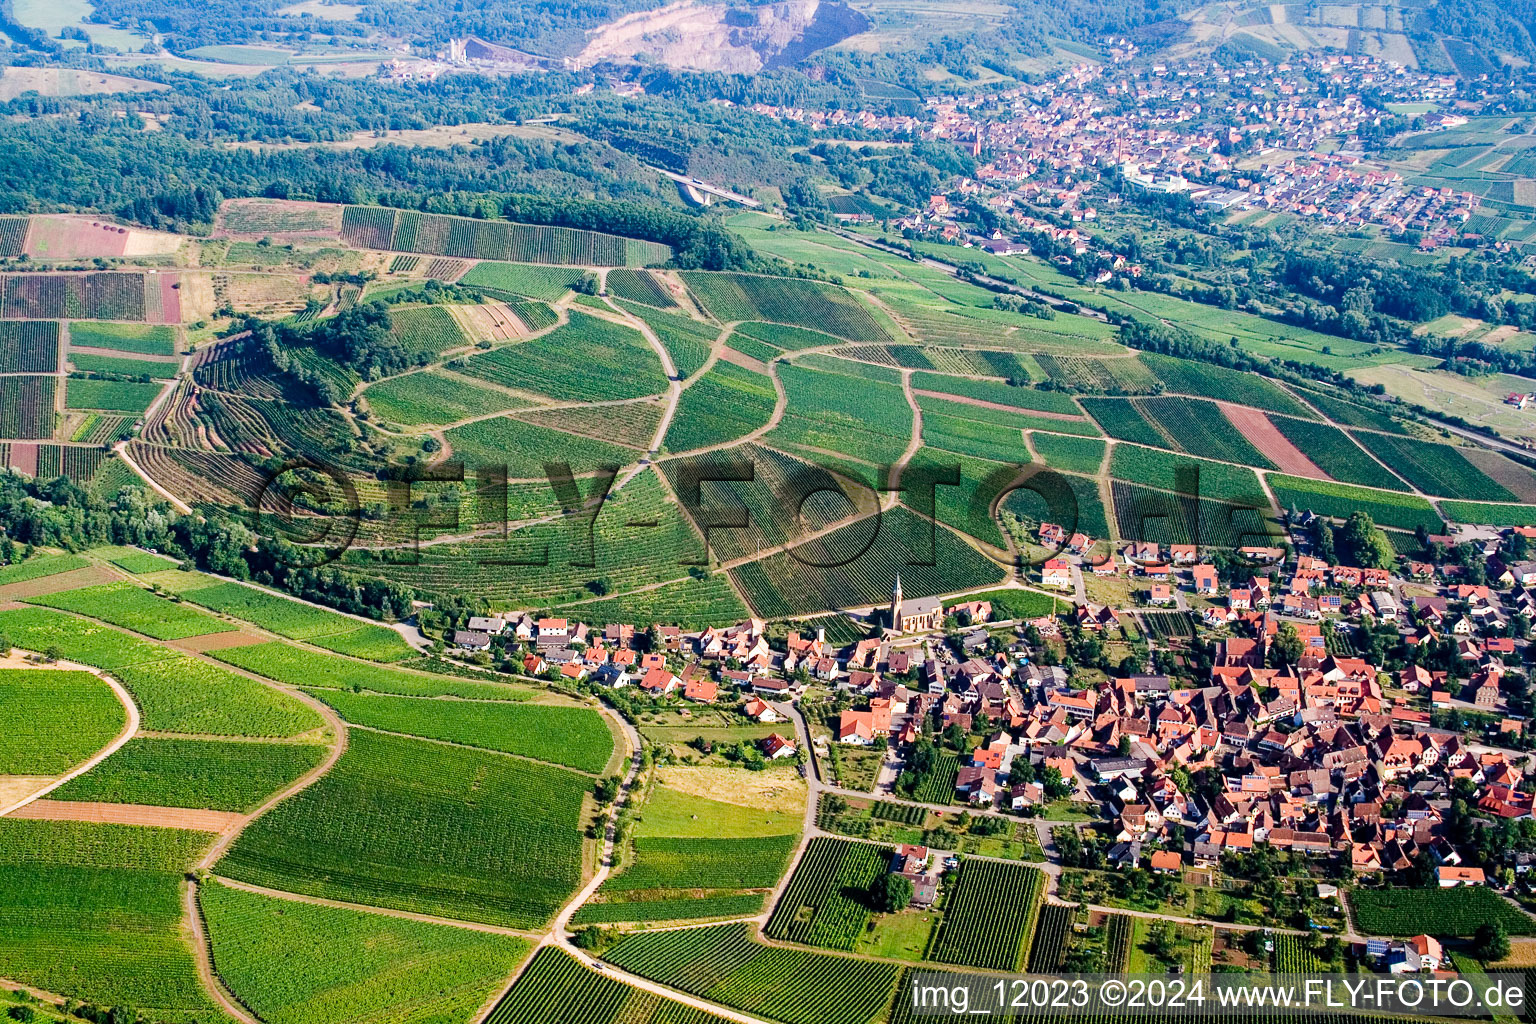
(1287, 647)
(1491, 942)
(1362, 544)
(954, 736)
(891, 892)
(1056, 787)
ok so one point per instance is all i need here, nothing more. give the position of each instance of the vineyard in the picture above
(1457, 911)
(13, 236)
(1122, 418)
(1196, 425)
(1072, 454)
(722, 963)
(113, 296)
(642, 286)
(1211, 381)
(938, 786)
(1053, 938)
(285, 663)
(575, 737)
(726, 403)
(783, 300)
(30, 346)
(1072, 502)
(1333, 450)
(210, 774)
(524, 449)
(297, 963)
(38, 629)
(1025, 398)
(94, 912)
(546, 283)
(823, 904)
(1098, 376)
(429, 398)
(998, 417)
(1166, 626)
(429, 329)
(687, 341)
(297, 621)
(132, 607)
(1434, 468)
(126, 397)
(1349, 414)
(974, 437)
(555, 988)
(989, 915)
(143, 339)
(26, 407)
(373, 227)
(1185, 474)
(185, 695)
(40, 566)
(54, 720)
(866, 419)
(1403, 511)
(587, 359)
(857, 565)
(425, 827)
(1144, 514)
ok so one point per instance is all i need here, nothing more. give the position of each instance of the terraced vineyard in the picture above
(373, 227)
(989, 917)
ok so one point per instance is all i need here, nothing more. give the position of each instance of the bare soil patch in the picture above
(1266, 437)
(73, 580)
(129, 814)
(769, 791)
(218, 641)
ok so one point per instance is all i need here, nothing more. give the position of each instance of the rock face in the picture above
(720, 37)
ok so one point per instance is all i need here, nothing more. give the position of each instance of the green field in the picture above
(141, 338)
(525, 448)
(1072, 502)
(211, 774)
(54, 720)
(571, 736)
(132, 607)
(431, 330)
(825, 902)
(1496, 515)
(90, 362)
(689, 603)
(428, 397)
(536, 282)
(965, 436)
(1328, 446)
(1404, 511)
(186, 695)
(666, 862)
(295, 963)
(726, 403)
(38, 566)
(724, 964)
(299, 667)
(1435, 469)
(110, 395)
(426, 827)
(1184, 474)
(297, 621)
(93, 912)
(989, 916)
(587, 359)
(1024, 398)
(845, 413)
(136, 562)
(930, 405)
(1073, 454)
(42, 629)
(1209, 380)
(783, 300)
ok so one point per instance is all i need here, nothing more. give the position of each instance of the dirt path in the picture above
(128, 814)
(122, 452)
(1262, 433)
(404, 915)
(130, 727)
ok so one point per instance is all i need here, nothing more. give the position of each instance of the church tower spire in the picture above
(896, 605)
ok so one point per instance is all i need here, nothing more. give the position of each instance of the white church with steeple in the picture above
(918, 616)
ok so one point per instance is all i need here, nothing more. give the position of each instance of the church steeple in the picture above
(896, 605)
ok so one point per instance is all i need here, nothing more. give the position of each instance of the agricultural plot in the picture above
(1491, 515)
(1144, 514)
(1185, 474)
(143, 339)
(544, 283)
(823, 905)
(88, 362)
(1435, 469)
(134, 608)
(865, 419)
(1196, 425)
(997, 393)
(694, 907)
(296, 666)
(1349, 414)
(1457, 911)
(556, 988)
(93, 912)
(428, 329)
(587, 359)
(296, 963)
(783, 336)
(1066, 499)
(1339, 501)
(643, 286)
(989, 916)
(13, 235)
(426, 827)
(792, 301)
(996, 441)
(297, 621)
(1121, 418)
(687, 341)
(965, 505)
(633, 424)
(723, 963)
(189, 696)
(1333, 450)
(29, 346)
(40, 566)
(673, 863)
(26, 407)
(759, 350)
(372, 227)
(727, 403)
(857, 565)
(1072, 454)
(526, 448)
(432, 398)
(39, 629)
(126, 397)
(211, 774)
(575, 737)
(1000, 417)
(689, 603)
(1169, 625)
(1208, 380)
(55, 720)
(1123, 376)
(1053, 938)
(107, 296)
